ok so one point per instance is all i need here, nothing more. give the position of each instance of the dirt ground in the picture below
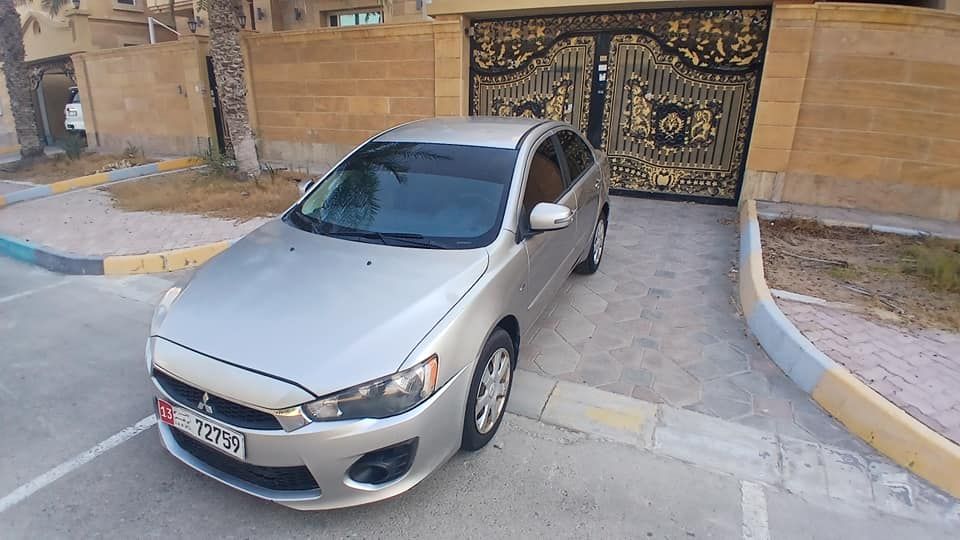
(207, 193)
(914, 282)
(49, 169)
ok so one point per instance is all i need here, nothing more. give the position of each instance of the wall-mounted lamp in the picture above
(242, 19)
(193, 23)
(76, 4)
(261, 15)
(297, 13)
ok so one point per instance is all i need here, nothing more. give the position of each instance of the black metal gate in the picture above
(669, 95)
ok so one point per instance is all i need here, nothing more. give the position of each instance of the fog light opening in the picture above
(384, 465)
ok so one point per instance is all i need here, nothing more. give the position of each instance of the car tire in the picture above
(491, 377)
(595, 255)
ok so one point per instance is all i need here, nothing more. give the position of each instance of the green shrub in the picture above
(937, 262)
(73, 145)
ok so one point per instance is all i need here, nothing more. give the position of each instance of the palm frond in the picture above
(53, 7)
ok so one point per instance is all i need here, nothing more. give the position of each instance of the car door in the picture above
(548, 252)
(587, 182)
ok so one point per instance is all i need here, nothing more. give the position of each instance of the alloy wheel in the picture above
(598, 238)
(492, 392)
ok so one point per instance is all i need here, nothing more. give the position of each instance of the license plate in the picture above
(216, 435)
(71, 113)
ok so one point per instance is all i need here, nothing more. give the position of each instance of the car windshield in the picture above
(412, 195)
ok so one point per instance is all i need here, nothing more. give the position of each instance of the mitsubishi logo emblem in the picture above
(203, 405)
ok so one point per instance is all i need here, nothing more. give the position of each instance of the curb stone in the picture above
(110, 265)
(873, 418)
(71, 263)
(810, 469)
(96, 179)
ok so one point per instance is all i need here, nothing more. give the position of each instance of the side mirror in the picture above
(550, 217)
(305, 186)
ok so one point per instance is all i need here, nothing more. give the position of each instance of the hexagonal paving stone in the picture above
(631, 288)
(600, 283)
(575, 328)
(597, 369)
(726, 408)
(547, 337)
(557, 359)
(588, 302)
(636, 376)
(647, 394)
(678, 396)
(624, 310)
(725, 389)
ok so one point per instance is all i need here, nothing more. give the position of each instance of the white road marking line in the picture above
(76, 462)
(755, 525)
(21, 294)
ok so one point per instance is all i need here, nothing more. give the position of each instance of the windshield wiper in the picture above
(411, 239)
(304, 222)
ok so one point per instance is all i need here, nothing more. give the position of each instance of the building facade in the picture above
(841, 104)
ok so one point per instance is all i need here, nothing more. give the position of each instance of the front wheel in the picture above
(592, 262)
(489, 391)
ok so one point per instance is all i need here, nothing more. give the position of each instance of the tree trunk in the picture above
(231, 85)
(18, 81)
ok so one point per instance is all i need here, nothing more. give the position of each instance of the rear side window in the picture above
(578, 155)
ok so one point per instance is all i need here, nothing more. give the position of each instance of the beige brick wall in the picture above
(156, 97)
(860, 107)
(318, 93)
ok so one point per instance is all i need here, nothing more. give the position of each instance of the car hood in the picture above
(322, 312)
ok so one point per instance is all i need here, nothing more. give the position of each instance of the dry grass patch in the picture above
(49, 169)
(915, 279)
(210, 194)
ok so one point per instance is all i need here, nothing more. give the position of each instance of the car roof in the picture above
(488, 131)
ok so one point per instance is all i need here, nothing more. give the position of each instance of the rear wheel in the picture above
(592, 262)
(489, 391)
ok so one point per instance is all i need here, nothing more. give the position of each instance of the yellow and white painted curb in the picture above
(111, 265)
(164, 261)
(862, 410)
(96, 179)
(68, 263)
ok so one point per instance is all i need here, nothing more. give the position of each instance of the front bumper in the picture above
(328, 449)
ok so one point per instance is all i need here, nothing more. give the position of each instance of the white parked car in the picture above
(73, 112)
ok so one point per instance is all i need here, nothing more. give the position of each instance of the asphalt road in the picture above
(72, 375)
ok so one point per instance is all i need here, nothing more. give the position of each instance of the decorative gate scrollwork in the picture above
(669, 95)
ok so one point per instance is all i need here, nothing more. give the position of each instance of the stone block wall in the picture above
(859, 107)
(316, 94)
(155, 96)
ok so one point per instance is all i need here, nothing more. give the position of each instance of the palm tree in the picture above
(229, 69)
(18, 78)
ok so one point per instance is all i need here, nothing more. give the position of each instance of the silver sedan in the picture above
(340, 354)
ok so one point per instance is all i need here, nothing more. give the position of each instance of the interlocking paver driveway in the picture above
(660, 322)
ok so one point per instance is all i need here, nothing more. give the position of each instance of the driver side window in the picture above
(545, 181)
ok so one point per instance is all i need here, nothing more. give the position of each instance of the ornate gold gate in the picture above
(669, 95)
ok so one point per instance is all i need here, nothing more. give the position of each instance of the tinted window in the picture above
(412, 194)
(578, 154)
(545, 180)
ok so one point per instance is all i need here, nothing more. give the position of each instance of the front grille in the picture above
(223, 409)
(276, 478)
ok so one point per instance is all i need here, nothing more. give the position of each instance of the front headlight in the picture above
(388, 396)
(163, 308)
